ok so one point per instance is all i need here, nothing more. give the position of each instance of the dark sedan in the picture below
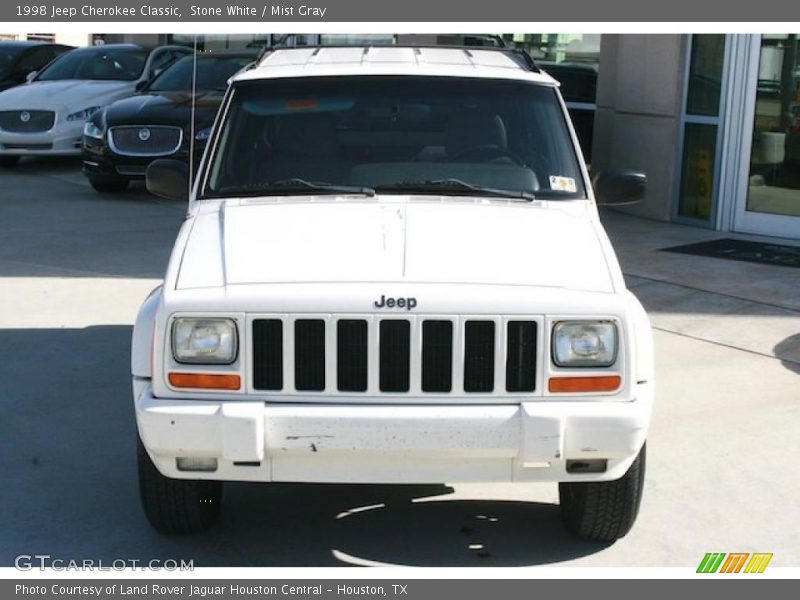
(18, 59)
(121, 141)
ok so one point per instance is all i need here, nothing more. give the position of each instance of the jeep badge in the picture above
(407, 303)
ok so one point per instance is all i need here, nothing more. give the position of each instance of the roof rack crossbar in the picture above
(527, 60)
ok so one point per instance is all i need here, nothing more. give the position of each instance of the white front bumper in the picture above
(358, 443)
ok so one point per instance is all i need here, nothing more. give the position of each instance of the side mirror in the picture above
(141, 84)
(168, 178)
(619, 186)
(29, 77)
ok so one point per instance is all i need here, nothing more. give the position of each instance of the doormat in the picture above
(755, 252)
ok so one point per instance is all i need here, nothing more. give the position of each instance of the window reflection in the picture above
(774, 184)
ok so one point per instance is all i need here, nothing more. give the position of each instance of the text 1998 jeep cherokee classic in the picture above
(392, 271)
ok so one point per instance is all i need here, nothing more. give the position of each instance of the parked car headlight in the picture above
(584, 343)
(84, 114)
(204, 341)
(93, 130)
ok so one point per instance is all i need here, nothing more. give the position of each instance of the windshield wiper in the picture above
(453, 186)
(294, 187)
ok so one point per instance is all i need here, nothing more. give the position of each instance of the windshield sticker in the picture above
(562, 184)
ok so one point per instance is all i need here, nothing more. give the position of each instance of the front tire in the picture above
(176, 506)
(108, 185)
(8, 161)
(603, 510)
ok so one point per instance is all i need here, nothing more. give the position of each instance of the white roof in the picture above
(393, 60)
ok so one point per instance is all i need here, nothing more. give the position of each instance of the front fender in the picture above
(644, 356)
(142, 341)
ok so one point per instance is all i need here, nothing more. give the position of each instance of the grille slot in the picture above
(37, 120)
(357, 354)
(268, 354)
(479, 356)
(351, 353)
(437, 356)
(159, 141)
(309, 355)
(521, 356)
(394, 359)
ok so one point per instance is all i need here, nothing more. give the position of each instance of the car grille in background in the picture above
(131, 170)
(145, 140)
(27, 121)
(474, 351)
(27, 146)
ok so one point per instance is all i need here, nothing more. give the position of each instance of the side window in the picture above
(163, 59)
(33, 60)
(56, 51)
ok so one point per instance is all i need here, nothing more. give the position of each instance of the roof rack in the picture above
(524, 57)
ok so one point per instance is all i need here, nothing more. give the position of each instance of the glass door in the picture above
(699, 133)
(769, 195)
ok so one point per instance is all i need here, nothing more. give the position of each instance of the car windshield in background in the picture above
(212, 74)
(8, 56)
(125, 64)
(395, 135)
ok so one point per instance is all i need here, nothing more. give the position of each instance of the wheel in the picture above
(8, 161)
(603, 510)
(108, 185)
(176, 505)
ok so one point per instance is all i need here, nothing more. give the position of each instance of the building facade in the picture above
(715, 122)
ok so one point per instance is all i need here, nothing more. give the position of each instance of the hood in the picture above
(65, 95)
(163, 108)
(396, 240)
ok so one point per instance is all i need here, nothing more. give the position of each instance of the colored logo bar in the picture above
(734, 562)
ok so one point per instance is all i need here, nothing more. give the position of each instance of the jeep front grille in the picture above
(426, 355)
(395, 358)
(352, 355)
(479, 356)
(268, 354)
(309, 355)
(521, 356)
(437, 356)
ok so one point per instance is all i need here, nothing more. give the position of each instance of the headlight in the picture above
(203, 134)
(584, 343)
(93, 131)
(204, 341)
(84, 114)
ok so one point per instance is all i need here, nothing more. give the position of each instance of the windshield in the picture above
(212, 74)
(124, 64)
(8, 56)
(427, 135)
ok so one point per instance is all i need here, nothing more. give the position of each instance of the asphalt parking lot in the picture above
(74, 267)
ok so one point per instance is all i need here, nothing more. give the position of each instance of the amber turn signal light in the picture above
(205, 381)
(608, 383)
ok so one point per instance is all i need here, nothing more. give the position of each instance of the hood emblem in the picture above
(24, 116)
(387, 302)
(144, 134)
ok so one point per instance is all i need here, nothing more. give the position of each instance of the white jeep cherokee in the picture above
(393, 271)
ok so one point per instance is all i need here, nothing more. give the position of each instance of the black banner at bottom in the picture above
(376, 589)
